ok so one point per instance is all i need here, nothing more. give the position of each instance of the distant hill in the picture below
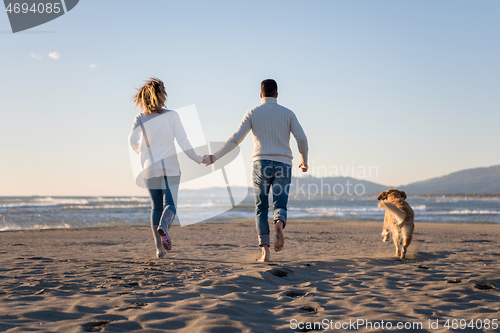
(478, 180)
(313, 186)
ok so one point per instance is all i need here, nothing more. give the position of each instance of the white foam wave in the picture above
(15, 227)
(196, 205)
(45, 202)
(124, 199)
(334, 212)
(72, 203)
(473, 212)
(463, 199)
(341, 210)
(105, 206)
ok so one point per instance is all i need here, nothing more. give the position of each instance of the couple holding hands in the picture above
(271, 125)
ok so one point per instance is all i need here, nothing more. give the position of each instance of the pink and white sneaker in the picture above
(165, 239)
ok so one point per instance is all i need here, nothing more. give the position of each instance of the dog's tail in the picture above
(398, 214)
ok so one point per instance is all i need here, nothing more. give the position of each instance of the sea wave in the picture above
(15, 227)
(196, 205)
(21, 213)
(72, 203)
(473, 212)
(462, 199)
(106, 206)
(45, 202)
(120, 199)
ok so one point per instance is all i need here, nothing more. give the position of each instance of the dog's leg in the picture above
(408, 235)
(385, 234)
(397, 241)
(403, 251)
(386, 228)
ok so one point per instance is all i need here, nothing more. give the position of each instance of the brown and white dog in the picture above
(399, 219)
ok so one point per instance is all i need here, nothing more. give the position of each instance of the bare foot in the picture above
(265, 254)
(279, 237)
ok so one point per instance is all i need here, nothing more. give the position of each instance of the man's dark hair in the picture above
(269, 88)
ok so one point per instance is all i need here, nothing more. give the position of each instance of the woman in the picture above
(152, 136)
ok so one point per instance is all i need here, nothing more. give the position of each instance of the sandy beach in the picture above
(108, 279)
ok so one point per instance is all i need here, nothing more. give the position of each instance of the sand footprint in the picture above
(280, 272)
(308, 308)
(95, 326)
(295, 293)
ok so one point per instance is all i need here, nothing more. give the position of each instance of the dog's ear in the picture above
(403, 194)
(382, 196)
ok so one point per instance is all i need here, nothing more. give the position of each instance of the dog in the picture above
(399, 219)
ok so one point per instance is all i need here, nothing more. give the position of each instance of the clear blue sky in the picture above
(411, 87)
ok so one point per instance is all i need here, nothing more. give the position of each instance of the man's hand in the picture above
(209, 159)
(303, 167)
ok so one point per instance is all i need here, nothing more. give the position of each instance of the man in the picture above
(271, 125)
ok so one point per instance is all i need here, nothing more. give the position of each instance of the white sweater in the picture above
(271, 125)
(160, 159)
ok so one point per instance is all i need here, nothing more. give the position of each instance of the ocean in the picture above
(210, 205)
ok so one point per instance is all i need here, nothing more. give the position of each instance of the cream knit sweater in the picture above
(271, 125)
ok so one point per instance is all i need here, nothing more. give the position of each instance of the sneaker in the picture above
(165, 239)
(160, 254)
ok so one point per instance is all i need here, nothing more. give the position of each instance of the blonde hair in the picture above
(151, 96)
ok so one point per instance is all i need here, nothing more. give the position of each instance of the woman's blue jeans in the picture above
(163, 193)
(270, 177)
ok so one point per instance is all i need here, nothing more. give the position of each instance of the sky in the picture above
(405, 89)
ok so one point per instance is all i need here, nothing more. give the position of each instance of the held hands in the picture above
(303, 167)
(209, 159)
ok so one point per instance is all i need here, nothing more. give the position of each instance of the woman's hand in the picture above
(209, 159)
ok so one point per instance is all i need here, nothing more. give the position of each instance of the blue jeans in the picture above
(275, 177)
(163, 193)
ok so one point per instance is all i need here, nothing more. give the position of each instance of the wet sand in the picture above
(108, 279)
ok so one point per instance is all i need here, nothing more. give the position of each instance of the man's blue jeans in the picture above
(163, 193)
(270, 177)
